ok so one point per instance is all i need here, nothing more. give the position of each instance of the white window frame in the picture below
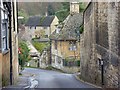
(72, 46)
(4, 28)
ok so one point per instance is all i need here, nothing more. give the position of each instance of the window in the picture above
(35, 27)
(30, 27)
(57, 30)
(72, 46)
(55, 44)
(44, 27)
(4, 28)
(46, 36)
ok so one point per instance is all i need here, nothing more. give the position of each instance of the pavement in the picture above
(25, 81)
(38, 78)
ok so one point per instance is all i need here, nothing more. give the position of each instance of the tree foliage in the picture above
(40, 46)
(82, 7)
(23, 53)
(23, 14)
(81, 29)
(62, 15)
(50, 10)
(63, 12)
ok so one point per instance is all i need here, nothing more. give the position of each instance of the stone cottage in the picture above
(100, 49)
(65, 41)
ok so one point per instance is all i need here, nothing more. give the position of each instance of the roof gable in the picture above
(70, 28)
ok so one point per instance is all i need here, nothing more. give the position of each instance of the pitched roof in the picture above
(39, 21)
(71, 27)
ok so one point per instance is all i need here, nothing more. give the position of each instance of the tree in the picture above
(40, 46)
(23, 14)
(66, 5)
(50, 10)
(63, 12)
(23, 53)
(82, 7)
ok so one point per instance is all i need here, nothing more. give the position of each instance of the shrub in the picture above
(23, 53)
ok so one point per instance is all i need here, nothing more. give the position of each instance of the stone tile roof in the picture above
(40, 21)
(69, 30)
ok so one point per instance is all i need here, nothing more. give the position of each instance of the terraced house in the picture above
(41, 26)
(8, 43)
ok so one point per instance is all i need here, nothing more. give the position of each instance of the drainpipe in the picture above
(50, 53)
(10, 43)
(17, 18)
(50, 62)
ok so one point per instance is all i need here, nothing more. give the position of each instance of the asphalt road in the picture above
(54, 79)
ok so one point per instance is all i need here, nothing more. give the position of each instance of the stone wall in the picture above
(45, 59)
(5, 69)
(71, 69)
(100, 41)
(88, 59)
(0, 70)
(112, 76)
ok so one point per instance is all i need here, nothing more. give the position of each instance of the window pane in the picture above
(4, 29)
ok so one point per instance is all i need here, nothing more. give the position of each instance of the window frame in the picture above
(4, 34)
(55, 45)
(73, 46)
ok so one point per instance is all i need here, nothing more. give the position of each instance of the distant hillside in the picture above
(38, 8)
(60, 9)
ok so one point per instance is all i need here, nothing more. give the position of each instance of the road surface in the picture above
(54, 79)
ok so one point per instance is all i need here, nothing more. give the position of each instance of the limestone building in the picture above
(100, 41)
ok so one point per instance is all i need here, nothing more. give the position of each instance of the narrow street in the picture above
(54, 79)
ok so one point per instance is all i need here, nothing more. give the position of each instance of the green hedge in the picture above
(71, 63)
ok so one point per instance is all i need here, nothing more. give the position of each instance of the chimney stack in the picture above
(74, 7)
